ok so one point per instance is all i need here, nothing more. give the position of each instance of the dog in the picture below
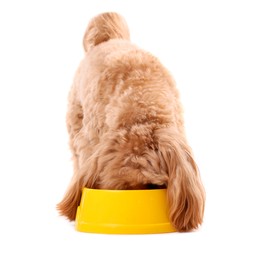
(126, 128)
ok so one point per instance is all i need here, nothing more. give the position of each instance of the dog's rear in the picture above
(134, 129)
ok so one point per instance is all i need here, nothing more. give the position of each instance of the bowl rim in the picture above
(120, 191)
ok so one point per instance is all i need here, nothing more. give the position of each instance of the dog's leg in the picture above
(74, 120)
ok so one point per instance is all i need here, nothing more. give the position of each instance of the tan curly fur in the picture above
(126, 125)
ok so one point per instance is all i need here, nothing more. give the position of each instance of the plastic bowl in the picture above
(123, 212)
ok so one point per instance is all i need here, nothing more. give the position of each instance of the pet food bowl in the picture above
(123, 212)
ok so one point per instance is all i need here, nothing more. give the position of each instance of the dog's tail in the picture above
(186, 195)
(104, 27)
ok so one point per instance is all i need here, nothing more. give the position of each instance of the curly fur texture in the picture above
(126, 126)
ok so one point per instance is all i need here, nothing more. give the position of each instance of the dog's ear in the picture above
(104, 27)
(68, 206)
(185, 192)
(86, 177)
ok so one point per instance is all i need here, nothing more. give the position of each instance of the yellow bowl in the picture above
(123, 212)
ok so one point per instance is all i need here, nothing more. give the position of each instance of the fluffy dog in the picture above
(126, 126)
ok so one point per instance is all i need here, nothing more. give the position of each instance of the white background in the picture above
(211, 48)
